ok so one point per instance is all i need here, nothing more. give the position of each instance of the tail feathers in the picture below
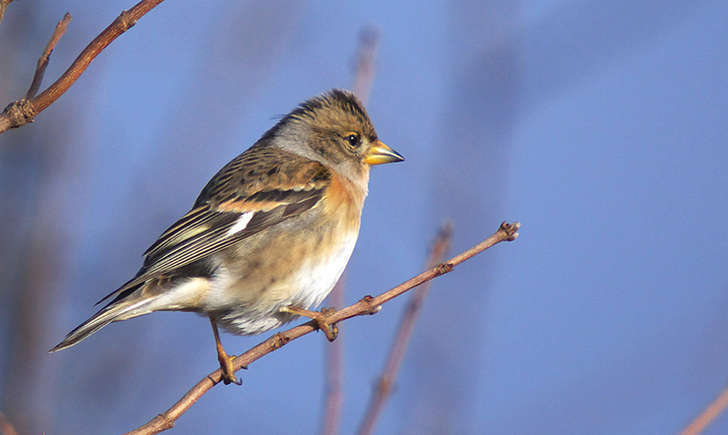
(121, 310)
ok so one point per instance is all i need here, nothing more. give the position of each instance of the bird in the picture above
(269, 235)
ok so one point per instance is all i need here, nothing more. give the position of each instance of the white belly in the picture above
(306, 288)
(318, 279)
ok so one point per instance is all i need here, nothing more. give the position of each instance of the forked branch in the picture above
(23, 111)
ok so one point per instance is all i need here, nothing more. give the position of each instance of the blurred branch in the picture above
(367, 305)
(363, 78)
(334, 370)
(6, 428)
(407, 325)
(364, 66)
(709, 414)
(23, 111)
(3, 5)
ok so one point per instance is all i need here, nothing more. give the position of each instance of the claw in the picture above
(320, 317)
(228, 374)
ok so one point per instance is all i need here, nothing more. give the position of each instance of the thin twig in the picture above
(709, 414)
(367, 305)
(3, 5)
(384, 385)
(364, 73)
(43, 59)
(23, 111)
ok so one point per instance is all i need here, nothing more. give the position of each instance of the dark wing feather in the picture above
(274, 188)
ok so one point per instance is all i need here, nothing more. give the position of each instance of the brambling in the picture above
(268, 236)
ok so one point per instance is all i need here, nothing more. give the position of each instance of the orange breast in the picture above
(343, 200)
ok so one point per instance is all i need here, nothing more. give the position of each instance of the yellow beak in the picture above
(380, 153)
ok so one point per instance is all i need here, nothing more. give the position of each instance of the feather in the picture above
(233, 196)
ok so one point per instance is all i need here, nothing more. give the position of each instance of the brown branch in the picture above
(367, 305)
(709, 414)
(43, 59)
(23, 111)
(3, 5)
(384, 385)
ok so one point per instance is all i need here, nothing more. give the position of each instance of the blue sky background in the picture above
(600, 126)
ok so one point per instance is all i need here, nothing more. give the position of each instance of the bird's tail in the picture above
(121, 310)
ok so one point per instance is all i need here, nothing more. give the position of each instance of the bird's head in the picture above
(333, 129)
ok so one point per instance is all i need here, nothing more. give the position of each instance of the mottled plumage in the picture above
(269, 235)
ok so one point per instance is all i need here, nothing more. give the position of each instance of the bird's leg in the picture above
(226, 361)
(329, 329)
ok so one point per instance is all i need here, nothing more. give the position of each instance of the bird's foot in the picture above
(228, 373)
(320, 317)
(225, 360)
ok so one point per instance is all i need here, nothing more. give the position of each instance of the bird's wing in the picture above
(258, 189)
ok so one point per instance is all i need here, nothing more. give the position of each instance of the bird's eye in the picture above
(353, 140)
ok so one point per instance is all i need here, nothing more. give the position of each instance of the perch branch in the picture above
(367, 305)
(23, 111)
(384, 385)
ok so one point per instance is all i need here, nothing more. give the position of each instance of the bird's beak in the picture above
(380, 153)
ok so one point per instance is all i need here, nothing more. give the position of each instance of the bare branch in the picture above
(334, 369)
(713, 410)
(364, 66)
(23, 111)
(367, 305)
(407, 325)
(3, 5)
(43, 60)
